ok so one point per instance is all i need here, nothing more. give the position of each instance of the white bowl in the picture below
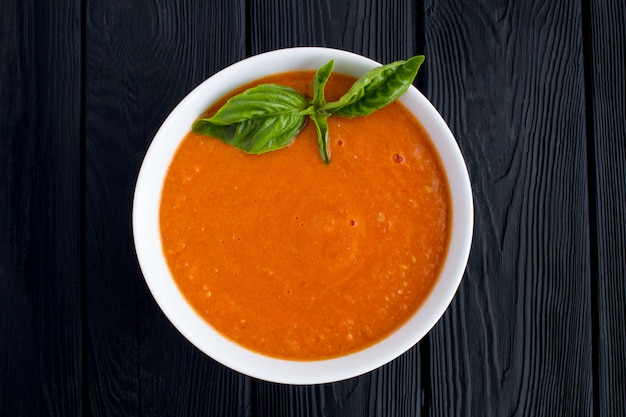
(157, 275)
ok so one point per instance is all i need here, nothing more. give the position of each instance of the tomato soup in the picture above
(296, 259)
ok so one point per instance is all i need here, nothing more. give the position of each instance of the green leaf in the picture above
(261, 101)
(262, 119)
(319, 83)
(321, 126)
(376, 89)
(258, 135)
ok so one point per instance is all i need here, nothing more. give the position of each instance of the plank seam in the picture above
(594, 274)
(248, 27)
(82, 211)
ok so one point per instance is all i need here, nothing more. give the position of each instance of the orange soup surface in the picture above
(300, 260)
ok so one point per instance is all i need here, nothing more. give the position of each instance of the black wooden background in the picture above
(534, 91)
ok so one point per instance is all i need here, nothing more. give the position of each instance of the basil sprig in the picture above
(269, 116)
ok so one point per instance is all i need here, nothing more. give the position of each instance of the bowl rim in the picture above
(146, 231)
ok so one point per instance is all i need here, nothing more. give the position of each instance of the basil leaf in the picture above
(319, 83)
(321, 126)
(376, 89)
(258, 135)
(204, 127)
(261, 101)
(262, 119)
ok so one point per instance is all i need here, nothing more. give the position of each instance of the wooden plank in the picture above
(143, 58)
(509, 79)
(384, 31)
(40, 263)
(606, 58)
(381, 30)
(392, 390)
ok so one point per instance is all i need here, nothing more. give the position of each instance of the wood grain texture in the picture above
(142, 59)
(606, 59)
(509, 79)
(533, 90)
(382, 30)
(392, 390)
(40, 150)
